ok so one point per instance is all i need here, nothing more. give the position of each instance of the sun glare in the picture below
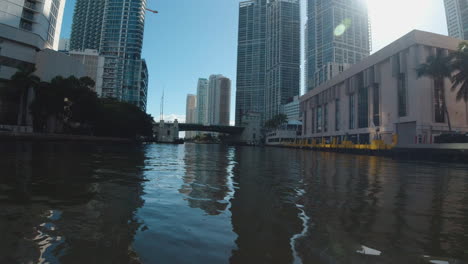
(392, 19)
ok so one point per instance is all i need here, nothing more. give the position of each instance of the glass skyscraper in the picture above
(337, 35)
(283, 47)
(456, 12)
(268, 59)
(251, 59)
(115, 28)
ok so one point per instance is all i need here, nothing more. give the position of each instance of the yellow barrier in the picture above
(375, 144)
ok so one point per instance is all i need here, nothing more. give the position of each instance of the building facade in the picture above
(191, 113)
(251, 59)
(283, 54)
(202, 101)
(27, 26)
(87, 24)
(64, 44)
(338, 32)
(456, 13)
(382, 98)
(291, 109)
(94, 64)
(219, 100)
(115, 28)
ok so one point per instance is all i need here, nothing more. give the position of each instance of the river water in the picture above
(88, 203)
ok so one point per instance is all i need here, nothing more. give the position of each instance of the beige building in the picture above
(191, 114)
(382, 96)
(94, 66)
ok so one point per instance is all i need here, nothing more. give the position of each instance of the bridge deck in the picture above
(212, 128)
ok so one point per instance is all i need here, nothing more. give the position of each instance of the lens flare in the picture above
(341, 28)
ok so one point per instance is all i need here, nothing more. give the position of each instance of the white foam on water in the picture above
(305, 228)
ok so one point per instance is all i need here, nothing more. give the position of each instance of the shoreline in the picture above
(59, 137)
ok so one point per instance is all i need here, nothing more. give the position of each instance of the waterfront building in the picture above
(291, 109)
(456, 13)
(337, 35)
(283, 54)
(64, 44)
(202, 101)
(94, 64)
(191, 113)
(115, 28)
(251, 59)
(382, 97)
(27, 26)
(219, 100)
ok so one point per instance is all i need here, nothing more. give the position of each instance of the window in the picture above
(319, 119)
(376, 105)
(363, 103)
(337, 114)
(325, 118)
(402, 95)
(351, 111)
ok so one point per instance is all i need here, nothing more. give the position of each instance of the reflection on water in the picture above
(85, 203)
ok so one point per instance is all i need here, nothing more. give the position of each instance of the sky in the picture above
(191, 39)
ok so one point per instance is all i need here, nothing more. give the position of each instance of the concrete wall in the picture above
(50, 64)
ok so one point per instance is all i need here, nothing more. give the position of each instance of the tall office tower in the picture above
(456, 12)
(27, 26)
(338, 35)
(191, 113)
(87, 24)
(251, 59)
(64, 44)
(219, 100)
(115, 28)
(283, 47)
(202, 101)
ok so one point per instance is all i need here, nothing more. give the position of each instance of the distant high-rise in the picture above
(456, 12)
(337, 35)
(115, 28)
(283, 46)
(202, 101)
(219, 100)
(251, 59)
(191, 113)
(64, 44)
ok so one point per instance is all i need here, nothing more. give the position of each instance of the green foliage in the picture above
(276, 121)
(72, 102)
(460, 69)
(119, 119)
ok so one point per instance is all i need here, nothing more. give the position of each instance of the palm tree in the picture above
(438, 68)
(21, 83)
(460, 67)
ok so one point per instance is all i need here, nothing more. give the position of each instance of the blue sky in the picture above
(189, 39)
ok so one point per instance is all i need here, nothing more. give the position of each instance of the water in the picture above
(114, 203)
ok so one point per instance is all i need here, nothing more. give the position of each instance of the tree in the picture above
(20, 85)
(438, 68)
(460, 69)
(276, 121)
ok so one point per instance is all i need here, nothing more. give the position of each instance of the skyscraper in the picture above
(456, 12)
(268, 56)
(115, 28)
(283, 54)
(87, 24)
(251, 59)
(219, 100)
(337, 35)
(191, 113)
(202, 101)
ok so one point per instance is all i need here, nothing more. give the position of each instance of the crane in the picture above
(152, 11)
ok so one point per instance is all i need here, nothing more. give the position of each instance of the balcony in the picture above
(28, 15)
(31, 6)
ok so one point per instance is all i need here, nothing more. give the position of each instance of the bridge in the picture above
(233, 130)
